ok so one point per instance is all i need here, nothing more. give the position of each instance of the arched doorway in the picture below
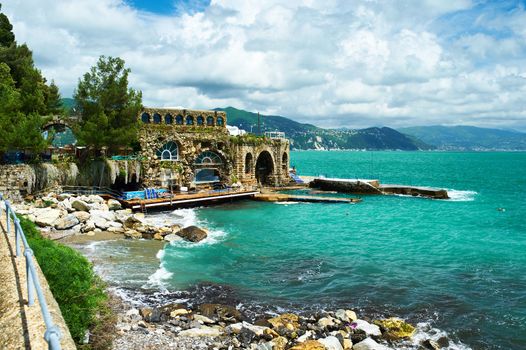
(264, 168)
(285, 162)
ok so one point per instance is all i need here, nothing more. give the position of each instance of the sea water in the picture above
(455, 267)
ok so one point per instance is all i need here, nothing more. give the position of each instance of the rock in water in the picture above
(66, 222)
(395, 328)
(114, 204)
(331, 343)
(193, 233)
(80, 205)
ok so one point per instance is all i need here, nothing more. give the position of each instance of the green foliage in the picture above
(76, 288)
(6, 30)
(24, 95)
(107, 106)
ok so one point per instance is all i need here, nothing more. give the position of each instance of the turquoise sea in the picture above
(456, 266)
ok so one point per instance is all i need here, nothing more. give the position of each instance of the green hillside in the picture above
(468, 137)
(308, 136)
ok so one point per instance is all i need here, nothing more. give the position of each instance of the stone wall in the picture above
(20, 180)
(191, 142)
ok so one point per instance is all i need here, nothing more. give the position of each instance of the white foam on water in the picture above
(425, 331)
(461, 196)
(183, 217)
(159, 278)
(286, 203)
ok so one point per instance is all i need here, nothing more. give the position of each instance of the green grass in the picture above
(78, 291)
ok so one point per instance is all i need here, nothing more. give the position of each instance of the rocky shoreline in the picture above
(208, 325)
(221, 326)
(63, 215)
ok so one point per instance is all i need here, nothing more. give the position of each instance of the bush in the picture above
(78, 291)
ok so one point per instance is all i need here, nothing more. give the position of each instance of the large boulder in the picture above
(114, 204)
(66, 222)
(80, 205)
(193, 233)
(172, 237)
(95, 199)
(100, 222)
(132, 221)
(369, 329)
(331, 343)
(46, 217)
(395, 328)
(204, 331)
(220, 311)
(122, 215)
(132, 234)
(309, 345)
(289, 321)
(106, 215)
(82, 216)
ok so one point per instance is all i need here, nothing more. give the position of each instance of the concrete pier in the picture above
(281, 197)
(365, 186)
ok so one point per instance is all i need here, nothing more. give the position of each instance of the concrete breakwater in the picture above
(363, 186)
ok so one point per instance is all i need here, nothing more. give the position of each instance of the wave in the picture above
(159, 278)
(461, 196)
(425, 331)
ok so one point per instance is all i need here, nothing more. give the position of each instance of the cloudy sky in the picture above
(329, 62)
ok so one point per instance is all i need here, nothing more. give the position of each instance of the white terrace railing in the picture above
(52, 334)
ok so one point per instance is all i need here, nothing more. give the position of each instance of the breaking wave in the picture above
(461, 196)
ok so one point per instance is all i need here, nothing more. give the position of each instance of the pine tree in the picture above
(107, 106)
(24, 95)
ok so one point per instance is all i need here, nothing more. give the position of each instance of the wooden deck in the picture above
(189, 199)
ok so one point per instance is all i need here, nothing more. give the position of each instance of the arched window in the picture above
(168, 119)
(220, 121)
(284, 161)
(249, 159)
(179, 120)
(206, 175)
(189, 120)
(168, 152)
(145, 117)
(200, 120)
(210, 121)
(157, 118)
(208, 158)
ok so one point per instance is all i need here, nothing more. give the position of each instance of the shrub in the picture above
(78, 291)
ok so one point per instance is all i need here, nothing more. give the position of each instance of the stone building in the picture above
(193, 148)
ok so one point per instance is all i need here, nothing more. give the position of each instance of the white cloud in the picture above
(332, 63)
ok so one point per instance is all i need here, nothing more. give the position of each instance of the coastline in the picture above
(206, 317)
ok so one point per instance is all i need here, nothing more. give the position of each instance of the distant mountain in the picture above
(468, 138)
(308, 136)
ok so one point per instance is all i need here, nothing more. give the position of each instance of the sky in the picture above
(332, 63)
